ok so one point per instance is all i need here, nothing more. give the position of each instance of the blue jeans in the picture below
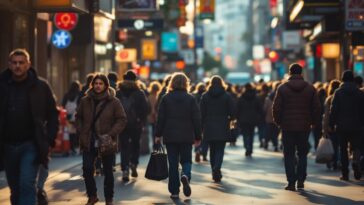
(178, 153)
(21, 172)
(89, 159)
(216, 154)
(295, 142)
(43, 173)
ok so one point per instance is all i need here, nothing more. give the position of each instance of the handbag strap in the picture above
(98, 114)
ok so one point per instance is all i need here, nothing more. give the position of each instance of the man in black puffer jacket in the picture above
(28, 125)
(346, 117)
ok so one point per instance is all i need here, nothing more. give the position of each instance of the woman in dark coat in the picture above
(179, 123)
(217, 109)
(249, 113)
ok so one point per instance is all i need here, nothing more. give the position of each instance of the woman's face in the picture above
(99, 86)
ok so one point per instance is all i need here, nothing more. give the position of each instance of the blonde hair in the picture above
(179, 81)
(154, 87)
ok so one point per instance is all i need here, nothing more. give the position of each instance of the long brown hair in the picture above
(334, 84)
(179, 81)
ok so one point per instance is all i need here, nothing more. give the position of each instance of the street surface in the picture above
(256, 180)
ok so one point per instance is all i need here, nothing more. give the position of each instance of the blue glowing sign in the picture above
(170, 42)
(61, 39)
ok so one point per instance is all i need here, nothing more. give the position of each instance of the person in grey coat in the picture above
(217, 110)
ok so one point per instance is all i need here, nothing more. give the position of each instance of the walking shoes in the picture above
(186, 186)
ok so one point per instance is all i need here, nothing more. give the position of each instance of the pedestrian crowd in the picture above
(105, 116)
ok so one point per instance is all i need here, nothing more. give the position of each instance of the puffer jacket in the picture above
(111, 121)
(179, 118)
(296, 106)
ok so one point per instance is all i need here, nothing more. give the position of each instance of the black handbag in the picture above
(157, 168)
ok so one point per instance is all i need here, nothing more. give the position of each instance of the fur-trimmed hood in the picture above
(128, 86)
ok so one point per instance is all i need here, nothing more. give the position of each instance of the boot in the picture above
(134, 172)
(92, 200)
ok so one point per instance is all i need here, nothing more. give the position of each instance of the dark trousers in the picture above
(178, 153)
(353, 138)
(317, 133)
(335, 144)
(295, 142)
(272, 133)
(89, 159)
(130, 146)
(261, 131)
(247, 130)
(21, 172)
(217, 149)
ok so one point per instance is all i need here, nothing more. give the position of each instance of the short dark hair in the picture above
(295, 68)
(347, 76)
(20, 52)
(101, 77)
(112, 76)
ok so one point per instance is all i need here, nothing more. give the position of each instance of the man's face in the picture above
(99, 86)
(19, 66)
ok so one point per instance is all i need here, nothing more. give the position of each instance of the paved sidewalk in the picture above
(256, 180)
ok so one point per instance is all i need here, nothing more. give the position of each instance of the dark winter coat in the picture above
(217, 109)
(43, 110)
(111, 121)
(179, 118)
(249, 109)
(296, 106)
(130, 89)
(346, 112)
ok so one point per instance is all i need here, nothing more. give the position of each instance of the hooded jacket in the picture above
(43, 110)
(346, 112)
(111, 121)
(249, 109)
(217, 109)
(296, 106)
(130, 89)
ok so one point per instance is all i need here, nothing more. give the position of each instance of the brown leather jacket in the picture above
(296, 106)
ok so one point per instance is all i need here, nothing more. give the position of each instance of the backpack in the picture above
(71, 107)
(128, 103)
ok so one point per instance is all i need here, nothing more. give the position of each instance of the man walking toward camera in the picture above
(28, 126)
(296, 108)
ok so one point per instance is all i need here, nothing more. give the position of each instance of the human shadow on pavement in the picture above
(240, 190)
(332, 182)
(325, 199)
(185, 202)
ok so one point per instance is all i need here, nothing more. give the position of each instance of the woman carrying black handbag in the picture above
(217, 111)
(179, 123)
